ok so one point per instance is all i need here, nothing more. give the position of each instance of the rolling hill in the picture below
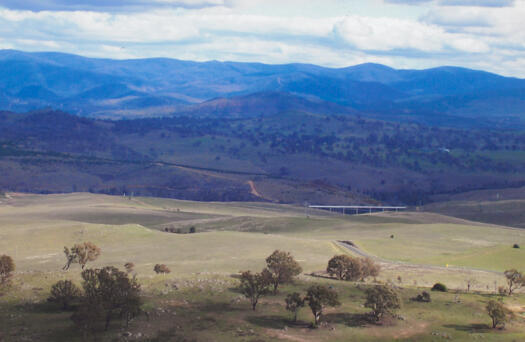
(280, 155)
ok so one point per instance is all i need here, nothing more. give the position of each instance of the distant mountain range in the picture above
(124, 89)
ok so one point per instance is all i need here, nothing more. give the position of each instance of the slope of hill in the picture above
(160, 87)
(506, 212)
(199, 300)
(288, 156)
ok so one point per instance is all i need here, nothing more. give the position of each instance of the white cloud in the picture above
(488, 37)
(385, 34)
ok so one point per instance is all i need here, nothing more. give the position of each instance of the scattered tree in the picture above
(129, 266)
(7, 267)
(64, 292)
(294, 302)
(282, 267)
(81, 254)
(498, 313)
(255, 285)
(161, 268)
(338, 266)
(515, 280)
(108, 293)
(352, 269)
(382, 300)
(319, 297)
(369, 268)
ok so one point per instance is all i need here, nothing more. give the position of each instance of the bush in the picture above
(7, 267)
(64, 292)
(129, 266)
(161, 268)
(439, 287)
(423, 297)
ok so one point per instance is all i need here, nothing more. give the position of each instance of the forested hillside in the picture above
(288, 157)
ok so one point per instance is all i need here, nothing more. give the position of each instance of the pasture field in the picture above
(508, 212)
(198, 300)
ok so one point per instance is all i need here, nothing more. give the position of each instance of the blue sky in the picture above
(481, 34)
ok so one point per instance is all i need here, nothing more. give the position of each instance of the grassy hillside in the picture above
(197, 300)
(504, 212)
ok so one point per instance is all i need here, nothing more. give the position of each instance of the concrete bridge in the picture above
(356, 209)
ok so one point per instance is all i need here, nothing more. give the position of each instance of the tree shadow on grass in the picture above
(472, 328)
(46, 307)
(348, 319)
(219, 308)
(269, 321)
(236, 290)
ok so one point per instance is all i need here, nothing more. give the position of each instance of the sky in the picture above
(413, 34)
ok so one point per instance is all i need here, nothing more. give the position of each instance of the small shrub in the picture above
(423, 297)
(129, 266)
(7, 267)
(502, 290)
(64, 292)
(161, 268)
(439, 287)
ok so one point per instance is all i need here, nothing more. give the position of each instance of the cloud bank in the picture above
(470, 33)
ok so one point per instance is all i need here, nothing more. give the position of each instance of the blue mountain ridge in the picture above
(163, 86)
